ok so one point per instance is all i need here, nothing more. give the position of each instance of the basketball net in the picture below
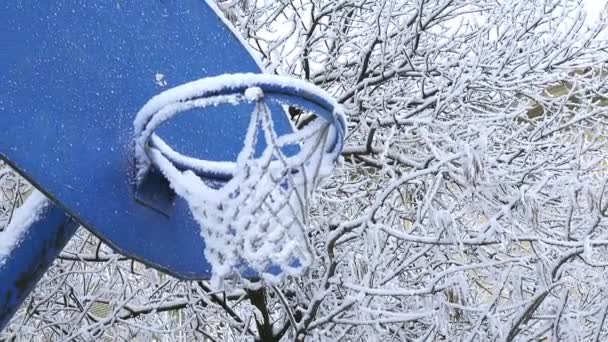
(257, 219)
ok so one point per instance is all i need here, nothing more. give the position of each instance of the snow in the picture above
(23, 218)
(160, 79)
(226, 83)
(201, 166)
(258, 217)
(595, 9)
(212, 91)
(254, 94)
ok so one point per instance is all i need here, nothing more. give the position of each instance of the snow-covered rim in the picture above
(228, 88)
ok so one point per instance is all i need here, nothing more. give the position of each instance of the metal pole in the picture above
(40, 244)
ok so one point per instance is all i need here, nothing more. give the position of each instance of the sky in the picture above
(594, 8)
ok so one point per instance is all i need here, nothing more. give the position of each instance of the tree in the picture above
(471, 202)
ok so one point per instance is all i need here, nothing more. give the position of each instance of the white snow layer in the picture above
(22, 219)
(191, 95)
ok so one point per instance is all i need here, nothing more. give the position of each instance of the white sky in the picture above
(594, 8)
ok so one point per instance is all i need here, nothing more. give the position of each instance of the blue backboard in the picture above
(73, 74)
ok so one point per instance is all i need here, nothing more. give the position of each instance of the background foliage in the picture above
(471, 202)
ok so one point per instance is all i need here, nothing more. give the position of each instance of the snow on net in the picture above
(258, 218)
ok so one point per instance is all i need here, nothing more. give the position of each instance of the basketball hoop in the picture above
(252, 211)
